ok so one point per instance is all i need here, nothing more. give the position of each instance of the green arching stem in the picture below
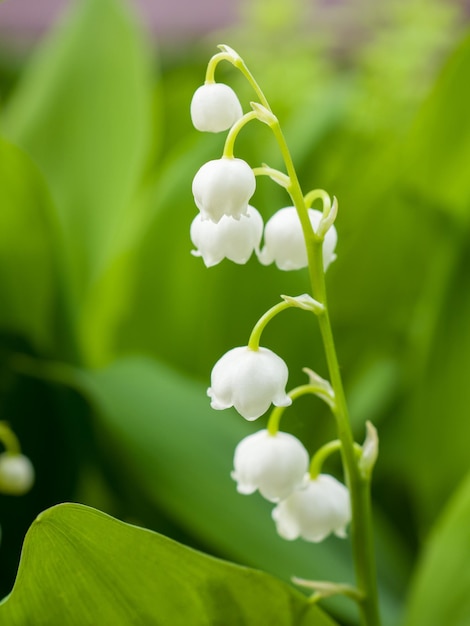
(359, 487)
(253, 342)
(279, 177)
(297, 392)
(287, 303)
(9, 439)
(324, 452)
(233, 133)
(321, 455)
(318, 194)
(213, 62)
(237, 62)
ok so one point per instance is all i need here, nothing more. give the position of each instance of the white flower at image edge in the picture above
(16, 474)
(249, 380)
(223, 187)
(273, 464)
(230, 238)
(322, 506)
(215, 107)
(284, 242)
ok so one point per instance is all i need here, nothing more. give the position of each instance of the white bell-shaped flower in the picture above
(320, 507)
(273, 464)
(249, 380)
(16, 474)
(215, 107)
(230, 238)
(223, 187)
(284, 242)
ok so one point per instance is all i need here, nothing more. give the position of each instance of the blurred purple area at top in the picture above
(166, 19)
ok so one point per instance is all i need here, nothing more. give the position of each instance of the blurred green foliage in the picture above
(110, 327)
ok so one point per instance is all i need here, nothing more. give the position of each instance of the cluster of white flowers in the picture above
(277, 466)
(274, 463)
(227, 226)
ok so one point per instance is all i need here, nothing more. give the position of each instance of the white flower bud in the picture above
(284, 240)
(215, 107)
(230, 238)
(16, 474)
(322, 506)
(249, 380)
(273, 464)
(223, 187)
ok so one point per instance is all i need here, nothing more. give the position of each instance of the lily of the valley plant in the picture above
(309, 504)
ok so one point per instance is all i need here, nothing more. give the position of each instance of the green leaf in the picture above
(82, 110)
(28, 247)
(440, 593)
(81, 567)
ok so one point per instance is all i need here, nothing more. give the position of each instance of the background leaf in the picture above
(440, 141)
(435, 187)
(28, 250)
(89, 132)
(440, 591)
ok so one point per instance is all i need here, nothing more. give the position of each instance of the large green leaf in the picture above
(28, 249)
(440, 593)
(81, 567)
(82, 110)
(160, 426)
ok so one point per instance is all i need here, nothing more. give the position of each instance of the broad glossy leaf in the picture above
(28, 249)
(160, 425)
(440, 593)
(81, 567)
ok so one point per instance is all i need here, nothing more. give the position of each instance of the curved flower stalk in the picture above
(249, 380)
(215, 107)
(229, 238)
(284, 242)
(273, 464)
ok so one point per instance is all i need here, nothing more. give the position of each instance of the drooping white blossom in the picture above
(249, 380)
(229, 238)
(223, 187)
(284, 242)
(273, 464)
(215, 107)
(16, 473)
(320, 507)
